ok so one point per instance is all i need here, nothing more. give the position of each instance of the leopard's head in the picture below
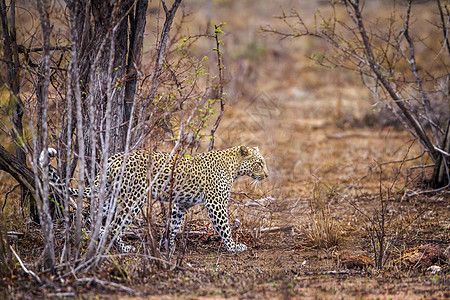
(253, 163)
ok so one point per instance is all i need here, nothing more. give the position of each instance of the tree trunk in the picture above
(440, 172)
(40, 140)
(17, 169)
(11, 56)
(137, 28)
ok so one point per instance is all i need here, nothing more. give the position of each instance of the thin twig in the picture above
(161, 51)
(9, 192)
(442, 151)
(108, 284)
(402, 161)
(29, 272)
(23, 49)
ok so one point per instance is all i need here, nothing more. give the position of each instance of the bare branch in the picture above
(385, 82)
(442, 151)
(29, 272)
(412, 61)
(7, 194)
(220, 94)
(161, 51)
(108, 284)
(18, 169)
(445, 30)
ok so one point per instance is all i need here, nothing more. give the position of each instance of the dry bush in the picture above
(322, 230)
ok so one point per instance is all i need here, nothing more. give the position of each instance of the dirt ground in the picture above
(287, 258)
(277, 266)
(311, 227)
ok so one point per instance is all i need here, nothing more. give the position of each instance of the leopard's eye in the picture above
(259, 164)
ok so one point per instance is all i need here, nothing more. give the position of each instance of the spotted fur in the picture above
(206, 178)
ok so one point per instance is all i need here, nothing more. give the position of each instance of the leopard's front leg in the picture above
(218, 213)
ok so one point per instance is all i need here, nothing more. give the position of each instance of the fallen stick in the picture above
(273, 229)
(60, 295)
(342, 272)
(15, 234)
(108, 284)
(29, 272)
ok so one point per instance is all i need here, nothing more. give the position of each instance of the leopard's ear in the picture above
(244, 151)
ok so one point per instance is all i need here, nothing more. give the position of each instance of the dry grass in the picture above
(322, 230)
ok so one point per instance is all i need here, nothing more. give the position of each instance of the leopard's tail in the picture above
(55, 180)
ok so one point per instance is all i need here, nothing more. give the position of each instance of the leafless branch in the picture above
(7, 194)
(29, 272)
(445, 30)
(162, 46)
(108, 284)
(412, 61)
(442, 151)
(220, 94)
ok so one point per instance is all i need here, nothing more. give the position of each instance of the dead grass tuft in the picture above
(323, 230)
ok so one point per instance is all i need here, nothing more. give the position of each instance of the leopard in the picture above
(206, 178)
